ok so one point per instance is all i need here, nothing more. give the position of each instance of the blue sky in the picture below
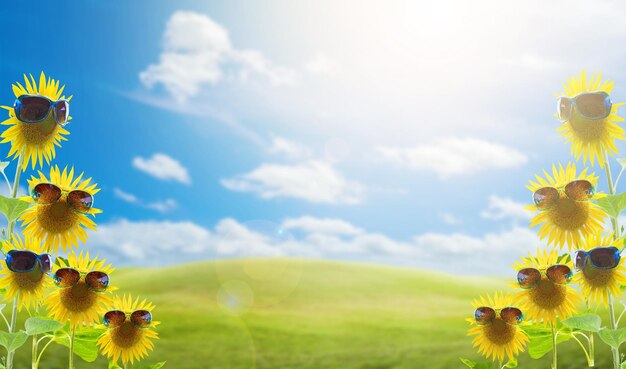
(392, 132)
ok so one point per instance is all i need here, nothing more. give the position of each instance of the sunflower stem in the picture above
(44, 349)
(33, 353)
(582, 346)
(592, 351)
(16, 183)
(72, 348)
(554, 356)
(12, 327)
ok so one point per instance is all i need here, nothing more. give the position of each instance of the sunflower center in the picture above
(499, 333)
(569, 214)
(39, 133)
(126, 335)
(28, 281)
(78, 298)
(57, 217)
(587, 130)
(597, 277)
(547, 295)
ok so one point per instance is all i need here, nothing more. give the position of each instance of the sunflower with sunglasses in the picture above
(129, 331)
(36, 120)
(24, 272)
(62, 205)
(496, 327)
(600, 270)
(82, 289)
(544, 282)
(589, 118)
(564, 207)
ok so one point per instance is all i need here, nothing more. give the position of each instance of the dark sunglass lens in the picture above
(580, 190)
(580, 258)
(33, 109)
(512, 315)
(564, 108)
(62, 111)
(66, 277)
(46, 263)
(559, 274)
(22, 261)
(46, 193)
(604, 257)
(141, 318)
(484, 315)
(114, 318)
(97, 281)
(546, 197)
(592, 105)
(528, 277)
(80, 200)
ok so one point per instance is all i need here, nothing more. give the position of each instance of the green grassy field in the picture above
(309, 315)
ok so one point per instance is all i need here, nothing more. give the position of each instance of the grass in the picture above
(286, 313)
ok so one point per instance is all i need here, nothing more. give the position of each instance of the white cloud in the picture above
(321, 225)
(321, 64)
(500, 208)
(164, 206)
(449, 218)
(163, 167)
(198, 51)
(290, 149)
(453, 156)
(165, 242)
(313, 181)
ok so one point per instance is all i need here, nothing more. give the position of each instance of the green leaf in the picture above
(541, 340)
(84, 342)
(613, 337)
(12, 208)
(469, 363)
(588, 323)
(113, 365)
(12, 341)
(613, 205)
(38, 325)
(160, 365)
(512, 363)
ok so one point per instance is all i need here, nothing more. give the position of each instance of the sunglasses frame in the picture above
(18, 103)
(588, 258)
(37, 261)
(499, 312)
(127, 317)
(543, 271)
(607, 102)
(83, 275)
(562, 189)
(32, 194)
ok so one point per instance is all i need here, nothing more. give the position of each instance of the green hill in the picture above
(286, 313)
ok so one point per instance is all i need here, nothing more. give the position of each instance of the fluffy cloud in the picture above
(165, 242)
(500, 208)
(455, 156)
(289, 149)
(313, 181)
(164, 206)
(163, 167)
(198, 51)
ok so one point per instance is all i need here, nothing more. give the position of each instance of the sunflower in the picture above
(127, 341)
(79, 304)
(28, 287)
(497, 338)
(36, 141)
(597, 284)
(57, 224)
(547, 300)
(590, 138)
(569, 221)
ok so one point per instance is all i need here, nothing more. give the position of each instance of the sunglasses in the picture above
(139, 318)
(590, 105)
(485, 315)
(24, 261)
(35, 108)
(599, 257)
(547, 197)
(48, 193)
(528, 278)
(69, 277)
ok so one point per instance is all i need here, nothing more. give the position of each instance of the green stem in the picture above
(33, 353)
(72, 348)
(592, 351)
(589, 361)
(554, 355)
(44, 349)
